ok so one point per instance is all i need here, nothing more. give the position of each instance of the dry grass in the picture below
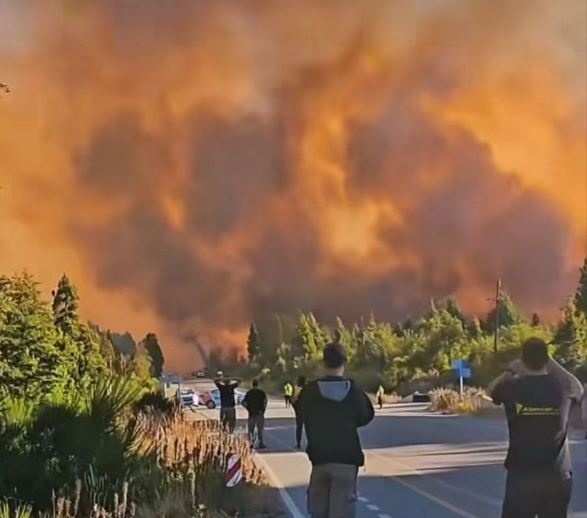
(451, 402)
(194, 451)
(189, 482)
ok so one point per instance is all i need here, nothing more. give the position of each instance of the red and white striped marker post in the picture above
(234, 472)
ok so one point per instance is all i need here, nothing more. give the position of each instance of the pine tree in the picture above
(571, 336)
(253, 343)
(153, 350)
(453, 309)
(65, 305)
(33, 362)
(536, 320)
(344, 337)
(581, 293)
(473, 328)
(508, 314)
(141, 364)
(445, 337)
(123, 343)
(310, 338)
(106, 347)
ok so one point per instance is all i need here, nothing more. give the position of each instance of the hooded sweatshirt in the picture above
(333, 408)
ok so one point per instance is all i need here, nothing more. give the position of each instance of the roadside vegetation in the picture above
(413, 354)
(449, 401)
(85, 431)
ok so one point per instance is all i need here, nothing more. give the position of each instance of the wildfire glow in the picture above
(195, 164)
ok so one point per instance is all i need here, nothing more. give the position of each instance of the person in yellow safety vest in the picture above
(380, 393)
(288, 393)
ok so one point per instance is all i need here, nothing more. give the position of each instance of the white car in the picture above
(188, 398)
(213, 401)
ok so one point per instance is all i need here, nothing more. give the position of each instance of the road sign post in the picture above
(462, 371)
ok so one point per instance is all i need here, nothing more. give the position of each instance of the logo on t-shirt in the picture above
(536, 410)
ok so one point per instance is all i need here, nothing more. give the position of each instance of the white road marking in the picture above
(383, 516)
(287, 500)
(435, 499)
(285, 495)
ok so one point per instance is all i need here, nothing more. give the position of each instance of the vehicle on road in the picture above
(211, 399)
(188, 398)
(420, 397)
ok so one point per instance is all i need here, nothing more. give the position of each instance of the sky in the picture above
(194, 166)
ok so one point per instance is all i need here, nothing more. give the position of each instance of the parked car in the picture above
(419, 397)
(188, 398)
(211, 399)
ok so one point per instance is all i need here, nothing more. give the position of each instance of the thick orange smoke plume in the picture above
(195, 164)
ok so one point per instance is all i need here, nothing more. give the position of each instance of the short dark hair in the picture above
(255, 383)
(301, 381)
(535, 353)
(333, 356)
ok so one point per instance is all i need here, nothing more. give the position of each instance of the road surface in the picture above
(418, 464)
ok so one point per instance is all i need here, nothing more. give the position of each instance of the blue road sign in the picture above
(460, 364)
(465, 373)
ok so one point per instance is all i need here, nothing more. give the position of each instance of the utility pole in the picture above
(496, 323)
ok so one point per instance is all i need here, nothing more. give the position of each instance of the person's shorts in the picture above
(531, 494)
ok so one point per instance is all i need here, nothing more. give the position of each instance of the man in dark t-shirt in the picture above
(226, 388)
(537, 404)
(255, 401)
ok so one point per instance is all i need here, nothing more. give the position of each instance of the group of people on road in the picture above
(537, 394)
(255, 401)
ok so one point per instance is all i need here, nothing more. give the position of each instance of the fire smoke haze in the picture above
(194, 164)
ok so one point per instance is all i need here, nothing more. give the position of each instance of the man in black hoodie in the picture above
(332, 409)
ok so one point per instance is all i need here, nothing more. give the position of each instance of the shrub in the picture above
(155, 402)
(450, 401)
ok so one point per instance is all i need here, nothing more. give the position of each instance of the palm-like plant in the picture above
(93, 437)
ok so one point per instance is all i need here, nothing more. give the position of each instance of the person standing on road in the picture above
(255, 401)
(287, 393)
(332, 409)
(227, 386)
(537, 395)
(379, 395)
(300, 384)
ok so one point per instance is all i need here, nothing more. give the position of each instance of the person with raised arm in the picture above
(537, 394)
(227, 387)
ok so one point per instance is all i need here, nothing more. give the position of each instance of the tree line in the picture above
(46, 350)
(397, 354)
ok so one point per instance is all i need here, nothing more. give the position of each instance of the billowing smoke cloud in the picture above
(211, 162)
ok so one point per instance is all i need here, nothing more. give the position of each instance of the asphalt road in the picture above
(418, 465)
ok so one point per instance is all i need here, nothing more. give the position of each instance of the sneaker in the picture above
(298, 446)
(262, 447)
